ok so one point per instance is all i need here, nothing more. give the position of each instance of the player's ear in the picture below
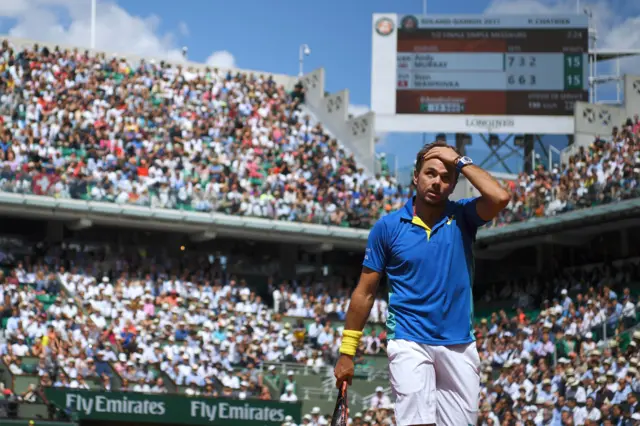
(415, 177)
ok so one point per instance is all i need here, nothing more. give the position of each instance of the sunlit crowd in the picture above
(156, 134)
(151, 133)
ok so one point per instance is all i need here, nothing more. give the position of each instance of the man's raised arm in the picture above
(493, 197)
(359, 309)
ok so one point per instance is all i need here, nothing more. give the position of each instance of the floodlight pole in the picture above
(424, 12)
(593, 58)
(93, 23)
(305, 50)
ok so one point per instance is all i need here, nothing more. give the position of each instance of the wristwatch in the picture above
(462, 161)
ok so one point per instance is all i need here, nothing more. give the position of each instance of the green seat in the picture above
(21, 383)
(93, 382)
(46, 299)
(377, 362)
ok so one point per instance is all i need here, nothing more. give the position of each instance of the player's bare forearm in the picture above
(493, 197)
(362, 300)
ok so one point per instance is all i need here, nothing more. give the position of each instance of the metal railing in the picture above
(328, 383)
(298, 369)
(355, 399)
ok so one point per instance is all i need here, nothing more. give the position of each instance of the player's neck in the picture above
(430, 214)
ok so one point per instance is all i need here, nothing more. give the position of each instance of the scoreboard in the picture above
(498, 66)
(482, 70)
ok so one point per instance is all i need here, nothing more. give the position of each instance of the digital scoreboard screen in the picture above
(491, 65)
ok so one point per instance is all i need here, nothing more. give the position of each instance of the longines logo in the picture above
(490, 123)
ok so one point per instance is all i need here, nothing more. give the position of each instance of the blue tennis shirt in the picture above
(430, 273)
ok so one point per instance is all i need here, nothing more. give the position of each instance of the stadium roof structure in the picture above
(602, 55)
(572, 228)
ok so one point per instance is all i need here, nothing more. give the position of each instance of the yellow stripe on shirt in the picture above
(417, 221)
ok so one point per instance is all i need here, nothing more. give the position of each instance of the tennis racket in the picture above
(341, 412)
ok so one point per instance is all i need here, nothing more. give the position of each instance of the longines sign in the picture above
(490, 123)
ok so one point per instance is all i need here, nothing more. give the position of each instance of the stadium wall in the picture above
(593, 120)
(357, 134)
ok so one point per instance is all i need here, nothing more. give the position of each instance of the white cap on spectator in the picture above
(315, 410)
(379, 389)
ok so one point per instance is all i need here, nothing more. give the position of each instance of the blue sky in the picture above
(266, 35)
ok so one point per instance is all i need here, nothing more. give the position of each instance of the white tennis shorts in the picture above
(434, 384)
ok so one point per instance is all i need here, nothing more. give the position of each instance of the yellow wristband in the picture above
(350, 342)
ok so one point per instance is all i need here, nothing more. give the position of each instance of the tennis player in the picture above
(426, 250)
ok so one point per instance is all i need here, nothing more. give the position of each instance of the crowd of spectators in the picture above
(108, 129)
(606, 171)
(151, 133)
(89, 327)
(207, 332)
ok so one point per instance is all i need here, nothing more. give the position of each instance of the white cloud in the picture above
(222, 59)
(68, 22)
(183, 28)
(358, 109)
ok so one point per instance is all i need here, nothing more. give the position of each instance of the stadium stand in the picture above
(142, 319)
(238, 144)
